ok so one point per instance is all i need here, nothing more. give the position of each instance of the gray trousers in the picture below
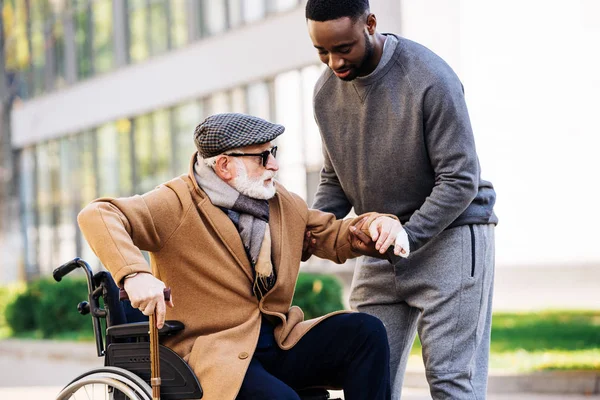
(443, 291)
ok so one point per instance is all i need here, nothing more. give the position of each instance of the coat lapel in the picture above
(220, 223)
(276, 227)
(224, 228)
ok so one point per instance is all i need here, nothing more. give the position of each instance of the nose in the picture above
(272, 163)
(335, 62)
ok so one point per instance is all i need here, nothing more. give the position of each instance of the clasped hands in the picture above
(383, 233)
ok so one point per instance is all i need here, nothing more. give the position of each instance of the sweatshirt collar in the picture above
(389, 48)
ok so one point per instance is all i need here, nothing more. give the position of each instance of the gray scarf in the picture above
(250, 217)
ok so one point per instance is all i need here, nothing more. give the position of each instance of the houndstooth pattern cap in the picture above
(221, 132)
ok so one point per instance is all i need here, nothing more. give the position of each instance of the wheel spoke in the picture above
(108, 381)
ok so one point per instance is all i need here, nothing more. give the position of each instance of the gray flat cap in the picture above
(221, 132)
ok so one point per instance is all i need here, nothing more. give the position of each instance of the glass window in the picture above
(159, 26)
(48, 196)
(218, 103)
(82, 14)
(213, 16)
(234, 11)
(67, 209)
(103, 35)
(312, 138)
(57, 38)
(238, 100)
(88, 166)
(254, 10)
(259, 103)
(44, 198)
(38, 46)
(186, 117)
(85, 176)
(144, 166)
(283, 5)
(108, 160)
(29, 206)
(179, 23)
(162, 146)
(288, 103)
(138, 30)
(16, 47)
(125, 156)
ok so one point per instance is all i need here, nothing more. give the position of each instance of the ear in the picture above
(225, 168)
(371, 24)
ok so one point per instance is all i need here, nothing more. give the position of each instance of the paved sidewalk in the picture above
(547, 382)
(53, 363)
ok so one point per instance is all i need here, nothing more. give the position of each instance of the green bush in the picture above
(58, 307)
(20, 312)
(7, 296)
(318, 294)
(49, 308)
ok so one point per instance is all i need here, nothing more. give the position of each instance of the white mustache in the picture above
(268, 175)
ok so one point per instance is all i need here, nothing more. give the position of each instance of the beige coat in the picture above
(196, 250)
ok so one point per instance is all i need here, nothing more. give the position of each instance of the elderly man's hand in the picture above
(146, 293)
(308, 246)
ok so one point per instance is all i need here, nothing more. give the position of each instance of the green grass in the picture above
(548, 340)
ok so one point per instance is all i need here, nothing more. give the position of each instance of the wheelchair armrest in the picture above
(140, 329)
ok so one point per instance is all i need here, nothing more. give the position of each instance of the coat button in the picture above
(243, 355)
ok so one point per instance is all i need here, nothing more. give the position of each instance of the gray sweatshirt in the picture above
(399, 141)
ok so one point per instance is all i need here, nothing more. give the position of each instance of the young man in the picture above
(389, 110)
(228, 240)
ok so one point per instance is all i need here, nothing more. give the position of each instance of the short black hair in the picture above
(327, 10)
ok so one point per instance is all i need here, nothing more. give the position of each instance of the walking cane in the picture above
(154, 349)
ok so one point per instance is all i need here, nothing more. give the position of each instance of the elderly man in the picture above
(228, 240)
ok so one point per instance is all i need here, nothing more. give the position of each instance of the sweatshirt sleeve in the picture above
(451, 148)
(119, 229)
(330, 196)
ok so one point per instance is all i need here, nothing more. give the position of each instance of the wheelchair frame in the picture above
(126, 371)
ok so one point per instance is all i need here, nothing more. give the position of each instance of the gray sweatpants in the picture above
(443, 291)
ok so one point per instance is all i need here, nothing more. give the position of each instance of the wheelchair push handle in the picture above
(124, 296)
(66, 268)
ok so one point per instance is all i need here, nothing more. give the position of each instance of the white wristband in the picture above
(402, 241)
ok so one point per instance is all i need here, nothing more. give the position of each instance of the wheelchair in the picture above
(126, 349)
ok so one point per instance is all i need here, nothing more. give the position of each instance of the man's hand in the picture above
(361, 242)
(386, 231)
(146, 293)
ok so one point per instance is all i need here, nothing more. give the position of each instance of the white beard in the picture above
(254, 187)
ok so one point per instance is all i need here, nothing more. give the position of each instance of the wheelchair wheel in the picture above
(107, 383)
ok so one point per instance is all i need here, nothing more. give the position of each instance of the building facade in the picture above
(103, 95)
(108, 92)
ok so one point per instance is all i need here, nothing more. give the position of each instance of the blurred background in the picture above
(100, 98)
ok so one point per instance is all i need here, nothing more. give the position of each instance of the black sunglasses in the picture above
(264, 155)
